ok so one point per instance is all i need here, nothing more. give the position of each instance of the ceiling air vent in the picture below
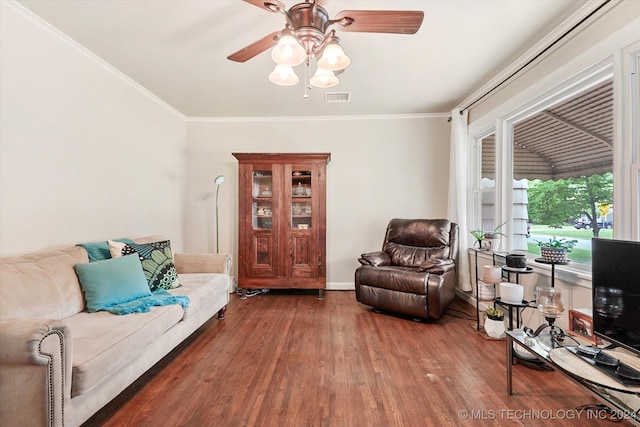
(337, 97)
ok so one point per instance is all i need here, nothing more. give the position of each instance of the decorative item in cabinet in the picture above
(301, 209)
(262, 181)
(261, 216)
(299, 190)
(282, 224)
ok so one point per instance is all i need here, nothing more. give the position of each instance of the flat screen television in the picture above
(615, 268)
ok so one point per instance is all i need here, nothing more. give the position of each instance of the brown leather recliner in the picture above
(415, 273)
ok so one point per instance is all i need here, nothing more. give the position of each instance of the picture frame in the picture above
(581, 325)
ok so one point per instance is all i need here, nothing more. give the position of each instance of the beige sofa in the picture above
(59, 364)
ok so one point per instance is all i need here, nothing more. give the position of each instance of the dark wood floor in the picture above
(289, 359)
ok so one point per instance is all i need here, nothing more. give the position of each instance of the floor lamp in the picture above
(219, 180)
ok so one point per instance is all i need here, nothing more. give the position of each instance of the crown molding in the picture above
(320, 118)
(537, 49)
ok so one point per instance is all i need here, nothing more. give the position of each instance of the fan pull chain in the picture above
(306, 79)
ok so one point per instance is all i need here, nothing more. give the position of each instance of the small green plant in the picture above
(480, 234)
(561, 243)
(495, 313)
(477, 234)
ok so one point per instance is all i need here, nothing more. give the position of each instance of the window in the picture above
(484, 190)
(563, 171)
(487, 181)
(601, 160)
(555, 176)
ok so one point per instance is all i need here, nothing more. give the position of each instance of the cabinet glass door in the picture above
(262, 192)
(301, 205)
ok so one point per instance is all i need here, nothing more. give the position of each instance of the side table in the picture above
(581, 372)
(511, 307)
(477, 280)
(516, 271)
(514, 306)
(553, 268)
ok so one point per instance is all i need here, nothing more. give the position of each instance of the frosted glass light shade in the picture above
(283, 76)
(549, 301)
(288, 52)
(333, 58)
(324, 78)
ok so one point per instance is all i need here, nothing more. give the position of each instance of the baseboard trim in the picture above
(340, 286)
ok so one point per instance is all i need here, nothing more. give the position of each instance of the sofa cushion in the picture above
(112, 281)
(104, 343)
(201, 288)
(157, 262)
(42, 284)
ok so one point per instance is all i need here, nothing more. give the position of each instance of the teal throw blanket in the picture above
(142, 305)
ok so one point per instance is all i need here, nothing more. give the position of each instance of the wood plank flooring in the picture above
(289, 359)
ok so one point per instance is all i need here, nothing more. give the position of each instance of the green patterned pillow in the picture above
(157, 263)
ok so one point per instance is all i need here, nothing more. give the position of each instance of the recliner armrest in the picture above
(437, 266)
(375, 258)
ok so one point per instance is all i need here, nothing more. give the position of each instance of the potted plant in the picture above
(555, 250)
(480, 235)
(494, 323)
(495, 313)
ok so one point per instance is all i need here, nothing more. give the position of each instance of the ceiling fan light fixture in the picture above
(324, 78)
(283, 76)
(288, 52)
(333, 57)
(306, 36)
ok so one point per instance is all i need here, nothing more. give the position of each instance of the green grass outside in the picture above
(569, 231)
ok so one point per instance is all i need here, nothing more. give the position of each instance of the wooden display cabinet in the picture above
(282, 221)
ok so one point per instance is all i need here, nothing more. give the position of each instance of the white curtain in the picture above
(459, 191)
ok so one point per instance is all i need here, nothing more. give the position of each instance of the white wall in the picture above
(84, 153)
(595, 41)
(381, 168)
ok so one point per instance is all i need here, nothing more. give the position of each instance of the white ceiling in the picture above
(177, 50)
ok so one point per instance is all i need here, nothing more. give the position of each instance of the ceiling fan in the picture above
(307, 36)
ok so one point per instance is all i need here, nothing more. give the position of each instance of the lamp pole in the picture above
(219, 180)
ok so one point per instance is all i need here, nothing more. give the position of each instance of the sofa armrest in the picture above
(375, 258)
(35, 371)
(202, 263)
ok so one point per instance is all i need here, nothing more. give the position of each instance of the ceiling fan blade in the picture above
(254, 48)
(261, 4)
(380, 21)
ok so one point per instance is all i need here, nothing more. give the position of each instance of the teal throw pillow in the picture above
(157, 263)
(98, 251)
(112, 281)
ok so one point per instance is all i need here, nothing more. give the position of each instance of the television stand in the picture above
(562, 360)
